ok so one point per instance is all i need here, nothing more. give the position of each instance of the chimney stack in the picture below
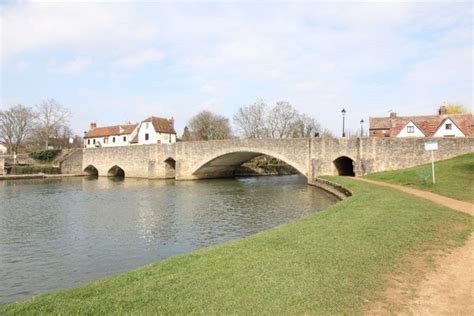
(171, 122)
(443, 110)
(93, 125)
(393, 115)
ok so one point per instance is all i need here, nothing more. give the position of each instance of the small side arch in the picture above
(344, 166)
(116, 172)
(170, 168)
(91, 171)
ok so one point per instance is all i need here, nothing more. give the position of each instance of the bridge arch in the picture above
(224, 163)
(344, 166)
(170, 168)
(116, 172)
(92, 171)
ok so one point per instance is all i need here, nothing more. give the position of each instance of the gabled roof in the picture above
(414, 123)
(111, 131)
(161, 125)
(428, 124)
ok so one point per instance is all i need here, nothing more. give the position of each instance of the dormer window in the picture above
(410, 129)
(448, 126)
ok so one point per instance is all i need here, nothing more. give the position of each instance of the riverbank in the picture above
(38, 176)
(454, 177)
(336, 261)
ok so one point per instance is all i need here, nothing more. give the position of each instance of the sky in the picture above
(118, 61)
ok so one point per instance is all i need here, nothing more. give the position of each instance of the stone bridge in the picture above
(312, 157)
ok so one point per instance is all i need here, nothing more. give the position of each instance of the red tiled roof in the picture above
(161, 125)
(428, 124)
(111, 130)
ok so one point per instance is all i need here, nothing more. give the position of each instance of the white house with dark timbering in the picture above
(153, 130)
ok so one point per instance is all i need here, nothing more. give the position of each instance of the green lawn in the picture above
(454, 177)
(332, 262)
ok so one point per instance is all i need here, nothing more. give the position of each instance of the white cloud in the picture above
(22, 66)
(76, 65)
(207, 88)
(139, 59)
(93, 26)
(73, 66)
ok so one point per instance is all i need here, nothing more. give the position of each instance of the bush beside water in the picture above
(34, 170)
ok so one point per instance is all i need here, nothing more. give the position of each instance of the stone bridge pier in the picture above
(312, 157)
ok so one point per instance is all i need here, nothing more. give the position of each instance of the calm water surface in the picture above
(65, 232)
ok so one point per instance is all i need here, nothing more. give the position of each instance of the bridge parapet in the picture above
(312, 157)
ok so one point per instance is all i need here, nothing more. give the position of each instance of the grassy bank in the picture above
(454, 177)
(330, 262)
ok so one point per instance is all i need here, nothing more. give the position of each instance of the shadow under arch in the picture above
(344, 166)
(224, 165)
(91, 171)
(170, 168)
(116, 172)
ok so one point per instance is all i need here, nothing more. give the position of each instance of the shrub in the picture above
(45, 155)
(34, 170)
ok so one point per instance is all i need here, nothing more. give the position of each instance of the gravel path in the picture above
(449, 289)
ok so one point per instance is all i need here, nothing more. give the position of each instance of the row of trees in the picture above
(23, 127)
(256, 120)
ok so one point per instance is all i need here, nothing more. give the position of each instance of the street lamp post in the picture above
(343, 122)
(361, 128)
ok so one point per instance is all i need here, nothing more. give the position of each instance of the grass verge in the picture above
(454, 177)
(333, 262)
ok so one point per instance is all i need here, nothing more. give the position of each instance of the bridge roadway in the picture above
(312, 157)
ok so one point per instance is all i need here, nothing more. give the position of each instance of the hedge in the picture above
(34, 170)
(45, 155)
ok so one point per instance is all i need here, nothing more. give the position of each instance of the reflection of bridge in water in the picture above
(312, 157)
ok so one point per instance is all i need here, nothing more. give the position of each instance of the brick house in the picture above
(441, 125)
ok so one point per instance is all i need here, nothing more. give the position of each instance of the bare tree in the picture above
(51, 118)
(16, 125)
(206, 126)
(281, 120)
(250, 120)
(305, 126)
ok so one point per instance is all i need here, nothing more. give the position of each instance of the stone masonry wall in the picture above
(312, 157)
(73, 163)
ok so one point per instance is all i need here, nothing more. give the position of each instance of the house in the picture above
(3, 149)
(156, 130)
(110, 136)
(441, 125)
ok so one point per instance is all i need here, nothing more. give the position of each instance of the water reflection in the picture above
(57, 233)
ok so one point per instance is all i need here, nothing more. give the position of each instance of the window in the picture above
(147, 136)
(113, 139)
(410, 129)
(125, 138)
(93, 141)
(88, 142)
(106, 140)
(449, 126)
(146, 125)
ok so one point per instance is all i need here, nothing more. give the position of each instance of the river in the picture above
(61, 233)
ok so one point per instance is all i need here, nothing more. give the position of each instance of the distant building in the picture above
(110, 136)
(3, 149)
(441, 125)
(157, 130)
(153, 130)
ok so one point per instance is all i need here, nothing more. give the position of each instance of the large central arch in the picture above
(224, 163)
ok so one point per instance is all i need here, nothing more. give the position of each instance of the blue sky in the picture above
(117, 61)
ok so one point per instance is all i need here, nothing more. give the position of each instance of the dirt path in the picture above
(449, 289)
